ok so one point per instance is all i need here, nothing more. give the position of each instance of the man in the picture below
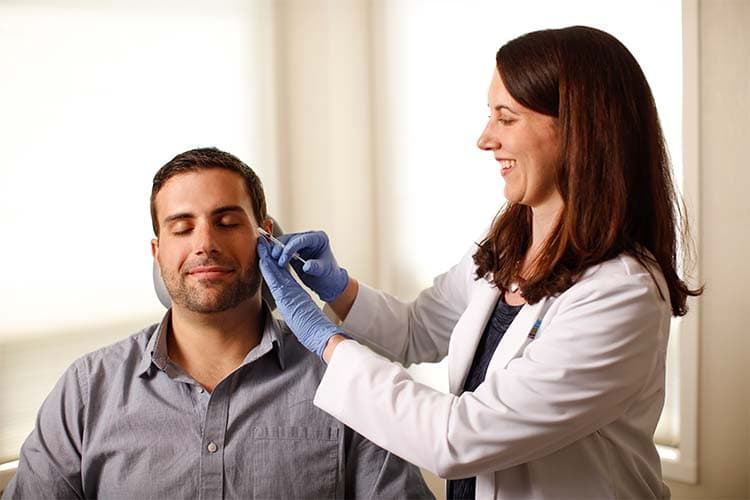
(216, 400)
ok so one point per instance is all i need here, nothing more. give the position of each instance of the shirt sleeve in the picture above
(372, 472)
(50, 461)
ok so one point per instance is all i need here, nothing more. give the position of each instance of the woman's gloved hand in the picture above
(321, 272)
(306, 320)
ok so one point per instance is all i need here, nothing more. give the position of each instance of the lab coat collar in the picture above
(468, 331)
(520, 333)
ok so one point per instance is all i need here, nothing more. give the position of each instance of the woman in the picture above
(555, 325)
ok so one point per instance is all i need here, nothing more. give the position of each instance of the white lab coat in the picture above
(569, 415)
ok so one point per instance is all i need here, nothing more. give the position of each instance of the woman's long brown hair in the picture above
(615, 176)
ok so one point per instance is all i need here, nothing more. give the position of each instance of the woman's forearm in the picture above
(343, 303)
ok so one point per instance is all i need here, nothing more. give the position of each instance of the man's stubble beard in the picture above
(196, 299)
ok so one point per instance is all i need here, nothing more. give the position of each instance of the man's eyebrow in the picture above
(228, 209)
(182, 215)
(218, 211)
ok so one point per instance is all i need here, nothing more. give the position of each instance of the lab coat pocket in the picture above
(295, 462)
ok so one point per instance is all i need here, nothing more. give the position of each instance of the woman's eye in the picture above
(501, 119)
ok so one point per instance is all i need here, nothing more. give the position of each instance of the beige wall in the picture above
(323, 76)
(724, 400)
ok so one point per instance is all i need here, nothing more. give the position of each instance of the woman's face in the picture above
(526, 144)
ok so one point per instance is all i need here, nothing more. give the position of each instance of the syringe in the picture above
(278, 242)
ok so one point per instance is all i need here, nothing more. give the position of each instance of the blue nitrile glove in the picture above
(306, 320)
(321, 273)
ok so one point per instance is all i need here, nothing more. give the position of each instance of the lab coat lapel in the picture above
(520, 332)
(468, 331)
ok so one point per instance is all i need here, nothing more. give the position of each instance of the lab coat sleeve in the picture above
(418, 331)
(588, 364)
(50, 461)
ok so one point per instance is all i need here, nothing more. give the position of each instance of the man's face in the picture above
(206, 249)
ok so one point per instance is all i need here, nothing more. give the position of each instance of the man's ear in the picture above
(155, 250)
(268, 225)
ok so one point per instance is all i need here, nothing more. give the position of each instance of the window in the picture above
(95, 99)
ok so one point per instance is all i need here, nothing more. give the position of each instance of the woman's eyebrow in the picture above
(500, 107)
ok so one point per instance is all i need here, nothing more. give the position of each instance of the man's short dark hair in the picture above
(204, 159)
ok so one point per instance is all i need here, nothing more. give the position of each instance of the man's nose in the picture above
(205, 240)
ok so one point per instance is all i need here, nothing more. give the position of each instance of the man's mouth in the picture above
(210, 272)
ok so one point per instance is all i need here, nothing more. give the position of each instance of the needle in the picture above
(278, 242)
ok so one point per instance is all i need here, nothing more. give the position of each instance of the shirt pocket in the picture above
(295, 462)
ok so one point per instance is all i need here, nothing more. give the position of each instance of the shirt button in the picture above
(200, 389)
(212, 447)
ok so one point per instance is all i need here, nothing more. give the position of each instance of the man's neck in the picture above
(211, 346)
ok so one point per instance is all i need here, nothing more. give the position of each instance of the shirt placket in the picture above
(212, 443)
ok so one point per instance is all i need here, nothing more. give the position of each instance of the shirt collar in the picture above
(272, 338)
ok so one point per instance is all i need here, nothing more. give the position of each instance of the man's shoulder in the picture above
(125, 353)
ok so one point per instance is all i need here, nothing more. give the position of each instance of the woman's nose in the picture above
(487, 140)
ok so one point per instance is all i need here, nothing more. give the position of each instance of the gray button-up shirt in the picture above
(126, 422)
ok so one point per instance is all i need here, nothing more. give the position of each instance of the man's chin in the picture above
(215, 304)
(214, 296)
(206, 308)
(212, 305)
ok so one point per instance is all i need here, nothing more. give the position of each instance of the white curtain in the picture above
(95, 98)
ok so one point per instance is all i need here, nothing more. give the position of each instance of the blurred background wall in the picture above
(361, 118)
(724, 245)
